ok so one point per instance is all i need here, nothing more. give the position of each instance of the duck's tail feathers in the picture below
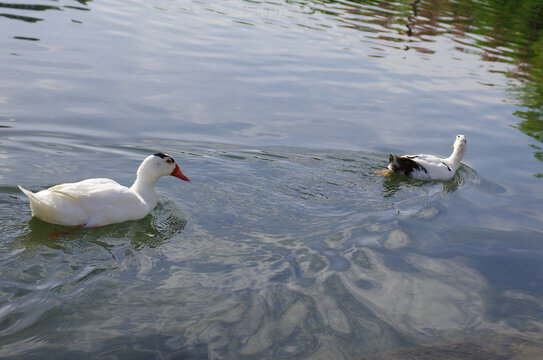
(31, 197)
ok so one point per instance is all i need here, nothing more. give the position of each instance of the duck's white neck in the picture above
(456, 156)
(144, 186)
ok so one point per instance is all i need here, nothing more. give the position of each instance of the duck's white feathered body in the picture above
(92, 202)
(97, 202)
(430, 167)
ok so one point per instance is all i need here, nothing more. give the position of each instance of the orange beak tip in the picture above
(179, 174)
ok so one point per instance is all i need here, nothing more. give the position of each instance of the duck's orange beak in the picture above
(179, 174)
(385, 172)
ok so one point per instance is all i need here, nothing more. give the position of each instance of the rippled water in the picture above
(285, 244)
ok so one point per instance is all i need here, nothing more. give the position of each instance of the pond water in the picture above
(285, 244)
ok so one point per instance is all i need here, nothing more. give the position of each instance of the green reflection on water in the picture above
(531, 97)
(519, 26)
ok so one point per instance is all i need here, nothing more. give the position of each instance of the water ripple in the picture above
(271, 251)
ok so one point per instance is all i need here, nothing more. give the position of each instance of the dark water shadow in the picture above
(485, 347)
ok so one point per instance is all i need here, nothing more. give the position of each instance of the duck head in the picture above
(460, 146)
(460, 143)
(158, 165)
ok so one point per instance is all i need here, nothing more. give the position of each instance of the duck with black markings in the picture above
(428, 167)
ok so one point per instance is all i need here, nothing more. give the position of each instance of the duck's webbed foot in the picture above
(57, 234)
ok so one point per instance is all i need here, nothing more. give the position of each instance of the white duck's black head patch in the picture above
(168, 158)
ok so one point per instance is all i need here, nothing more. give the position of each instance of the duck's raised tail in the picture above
(31, 197)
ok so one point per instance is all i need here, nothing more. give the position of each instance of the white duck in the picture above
(429, 167)
(98, 202)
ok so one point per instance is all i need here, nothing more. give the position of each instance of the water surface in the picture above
(285, 244)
